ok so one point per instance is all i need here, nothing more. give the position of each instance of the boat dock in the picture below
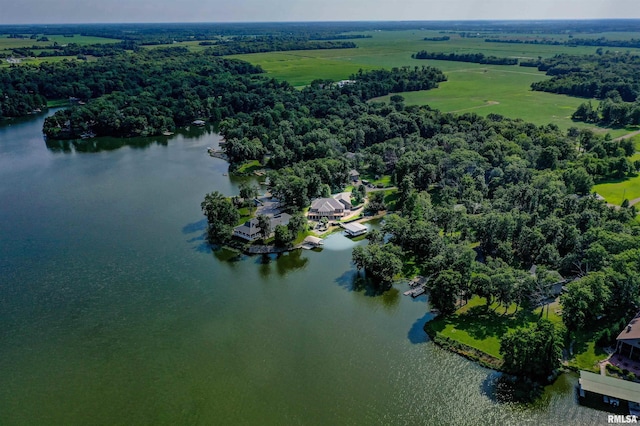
(418, 287)
(416, 291)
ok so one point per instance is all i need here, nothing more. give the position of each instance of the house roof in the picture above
(631, 331)
(343, 196)
(354, 172)
(251, 227)
(326, 205)
(609, 386)
(355, 227)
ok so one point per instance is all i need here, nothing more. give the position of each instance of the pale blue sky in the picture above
(91, 11)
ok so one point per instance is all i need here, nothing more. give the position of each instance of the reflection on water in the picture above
(93, 145)
(282, 263)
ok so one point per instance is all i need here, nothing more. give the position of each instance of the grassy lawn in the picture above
(383, 181)
(249, 167)
(245, 215)
(616, 191)
(481, 328)
(390, 198)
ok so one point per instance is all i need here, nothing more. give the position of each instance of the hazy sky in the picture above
(77, 11)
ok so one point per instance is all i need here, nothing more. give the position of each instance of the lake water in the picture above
(114, 311)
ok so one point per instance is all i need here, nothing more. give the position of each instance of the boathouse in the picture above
(613, 391)
(354, 229)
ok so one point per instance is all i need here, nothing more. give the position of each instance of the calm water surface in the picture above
(114, 311)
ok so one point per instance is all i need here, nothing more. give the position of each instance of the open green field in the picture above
(479, 88)
(616, 191)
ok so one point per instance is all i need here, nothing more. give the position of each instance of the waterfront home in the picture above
(330, 208)
(354, 229)
(628, 341)
(250, 230)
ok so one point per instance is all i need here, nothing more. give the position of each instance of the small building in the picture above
(613, 390)
(628, 341)
(311, 242)
(198, 122)
(330, 208)
(250, 230)
(354, 175)
(354, 229)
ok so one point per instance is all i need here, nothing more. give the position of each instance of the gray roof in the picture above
(326, 205)
(609, 386)
(355, 227)
(251, 227)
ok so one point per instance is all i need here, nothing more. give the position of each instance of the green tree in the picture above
(264, 223)
(283, 236)
(248, 190)
(221, 215)
(444, 291)
(532, 351)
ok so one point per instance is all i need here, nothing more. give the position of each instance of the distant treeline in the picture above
(242, 45)
(600, 42)
(476, 58)
(443, 38)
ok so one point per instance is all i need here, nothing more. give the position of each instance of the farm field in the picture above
(482, 89)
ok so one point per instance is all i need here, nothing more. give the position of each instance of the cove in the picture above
(115, 311)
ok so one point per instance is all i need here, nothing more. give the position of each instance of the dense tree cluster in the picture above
(440, 38)
(476, 58)
(532, 351)
(154, 91)
(241, 45)
(607, 75)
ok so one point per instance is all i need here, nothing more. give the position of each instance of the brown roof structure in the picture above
(631, 331)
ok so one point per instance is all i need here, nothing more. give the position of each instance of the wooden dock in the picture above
(415, 292)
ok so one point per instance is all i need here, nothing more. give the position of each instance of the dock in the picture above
(418, 291)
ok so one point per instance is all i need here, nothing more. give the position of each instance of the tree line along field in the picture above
(8, 44)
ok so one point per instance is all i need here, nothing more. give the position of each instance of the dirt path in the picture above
(487, 104)
(627, 136)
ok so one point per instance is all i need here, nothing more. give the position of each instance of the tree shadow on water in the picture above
(507, 389)
(416, 334)
(358, 282)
